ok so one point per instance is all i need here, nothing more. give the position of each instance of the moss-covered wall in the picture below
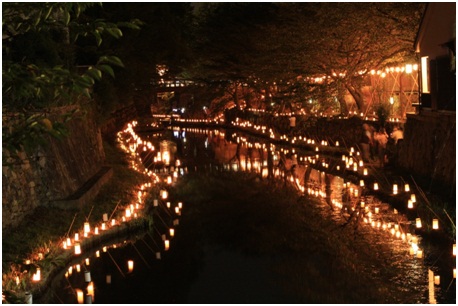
(55, 171)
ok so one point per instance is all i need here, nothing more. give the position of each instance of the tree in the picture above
(40, 73)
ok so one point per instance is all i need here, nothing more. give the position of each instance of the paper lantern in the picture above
(365, 171)
(409, 204)
(437, 280)
(376, 210)
(79, 296)
(87, 227)
(419, 254)
(361, 183)
(395, 188)
(77, 237)
(167, 244)
(105, 217)
(36, 277)
(130, 265)
(418, 222)
(375, 186)
(435, 224)
(172, 232)
(454, 250)
(77, 249)
(413, 197)
(87, 276)
(87, 261)
(406, 188)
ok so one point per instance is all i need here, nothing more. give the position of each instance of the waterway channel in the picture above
(191, 254)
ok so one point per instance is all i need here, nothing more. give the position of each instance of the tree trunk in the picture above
(357, 95)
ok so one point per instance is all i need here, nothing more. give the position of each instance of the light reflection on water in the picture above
(379, 224)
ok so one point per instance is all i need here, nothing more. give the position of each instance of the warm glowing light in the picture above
(90, 290)
(87, 261)
(180, 205)
(419, 254)
(77, 249)
(77, 237)
(413, 197)
(36, 277)
(128, 213)
(361, 183)
(418, 222)
(437, 280)
(113, 222)
(172, 232)
(365, 171)
(105, 217)
(87, 227)
(454, 250)
(406, 188)
(164, 194)
(79, 296)
(167, 244)
(376, 210)
(410, 204)
(130, 265)
(435, 224)
(375, 186)
(108, 279)
(395, 188)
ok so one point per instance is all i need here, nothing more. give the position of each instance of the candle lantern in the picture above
(418, 222)
(96, 230)
(419, 254)
(435, 224)
(78, 268)
(413, 197)
(365, 171)
(36, 277)
(376, 210)
(167, 244)
(395, 188)
(87, 227)
(168, 204)
(410, 204)
(113, 222)
(130, 265)
(77, 237)
(375, 186)
(77, 249)
(437, 280)
(454, 273)
(180, 205)
(361, 183)
(128, 213)
(164, 194)
(87, 261)
(406, 188)
(104, 227)
(454, 250)
(90, 292)
(172, 232)
(79, 296)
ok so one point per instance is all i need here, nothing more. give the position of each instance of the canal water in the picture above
(231, 243)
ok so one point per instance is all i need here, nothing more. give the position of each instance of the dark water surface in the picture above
(249, 241)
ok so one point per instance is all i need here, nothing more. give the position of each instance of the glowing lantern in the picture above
(108, 279)
(87, 227)
(105, 217)
(87, 276)
(90, 290)
(406, 188)
(104, 227)
(164, 194)
(376, 210)
(418, 222)
(78, 268)
(172, 232)
(419, 254)
(155, 202)
(454, 273)
(79, 296)
(410, 204)
(361, 183)
(130, 265)
(158, 255)
(437, 280)
(87, 261)
(113, 222)
(395, 188)
(167, 244)
(36, 277)
(454, 250)
(77, 237)
(365, 171)
(97, 254)
(77, 249)
(413, 198)
(168, 204)
(96, 230)
(128, 213)
(375, 186)
(435, 224)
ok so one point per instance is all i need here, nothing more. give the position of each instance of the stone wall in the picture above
(429, 147)
(55, 171)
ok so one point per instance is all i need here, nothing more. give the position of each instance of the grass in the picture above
(47, 225)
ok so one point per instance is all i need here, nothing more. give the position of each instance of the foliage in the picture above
(42, 72)
(288, 42)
